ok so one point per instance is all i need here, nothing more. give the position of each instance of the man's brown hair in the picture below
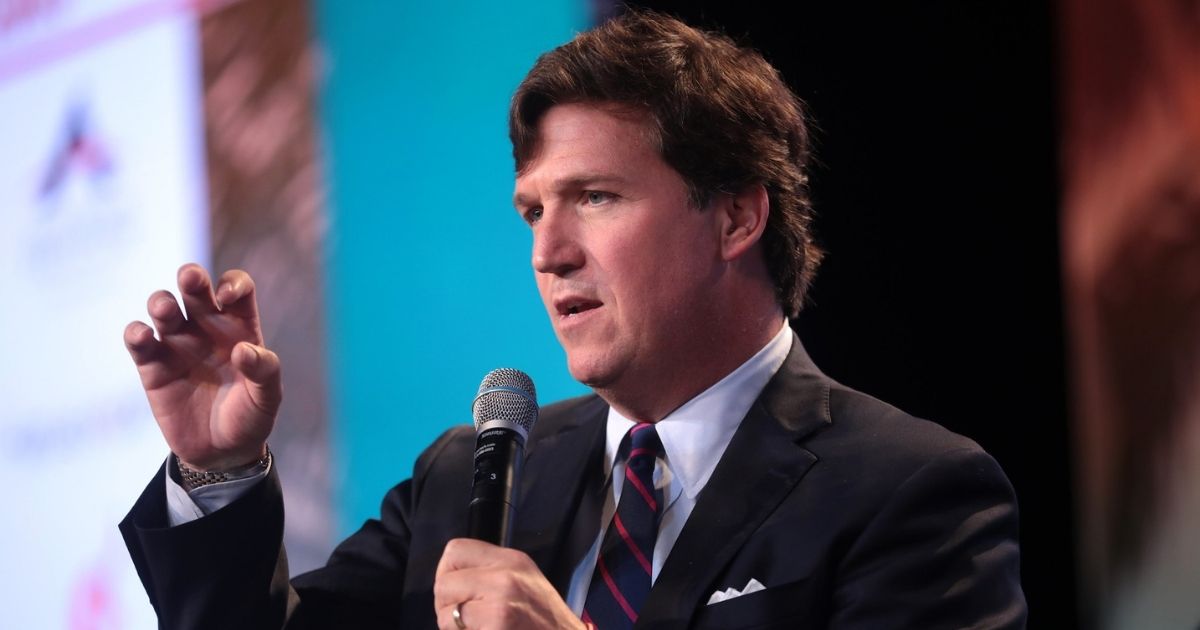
(721, 115)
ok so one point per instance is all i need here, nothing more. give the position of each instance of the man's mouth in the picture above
(574, 306)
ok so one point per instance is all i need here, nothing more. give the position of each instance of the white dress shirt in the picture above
(694, 437)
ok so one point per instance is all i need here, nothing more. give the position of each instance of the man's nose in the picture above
(556, 246)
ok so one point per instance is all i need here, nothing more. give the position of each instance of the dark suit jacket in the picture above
(850, 512)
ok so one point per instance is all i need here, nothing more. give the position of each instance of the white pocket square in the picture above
(719, 596)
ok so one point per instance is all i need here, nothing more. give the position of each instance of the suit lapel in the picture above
(758, 470)
(558, 514)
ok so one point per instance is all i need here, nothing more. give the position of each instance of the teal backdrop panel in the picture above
(429, 283)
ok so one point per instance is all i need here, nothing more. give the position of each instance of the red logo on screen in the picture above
(81, 152)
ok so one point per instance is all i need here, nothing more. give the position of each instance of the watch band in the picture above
(191, 479)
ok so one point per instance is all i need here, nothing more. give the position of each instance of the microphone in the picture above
(504, 410)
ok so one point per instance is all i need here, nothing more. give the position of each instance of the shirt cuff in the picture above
(185, 507)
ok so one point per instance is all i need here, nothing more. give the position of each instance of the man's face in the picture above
(623, 261)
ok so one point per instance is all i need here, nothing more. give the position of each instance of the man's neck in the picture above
(650, 400)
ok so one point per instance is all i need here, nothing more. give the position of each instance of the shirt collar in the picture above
(695, 435)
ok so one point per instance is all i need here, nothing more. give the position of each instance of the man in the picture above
(715, 479)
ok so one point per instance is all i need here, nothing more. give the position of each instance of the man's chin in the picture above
(593, 373)
(594, 381)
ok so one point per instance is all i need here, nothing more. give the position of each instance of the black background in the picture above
(937, 193)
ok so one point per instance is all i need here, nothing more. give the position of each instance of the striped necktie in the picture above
(621, 582)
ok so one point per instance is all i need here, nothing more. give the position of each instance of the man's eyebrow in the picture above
(520, 201)
(579, 182)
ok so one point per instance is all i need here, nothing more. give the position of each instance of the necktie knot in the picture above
(644, 447)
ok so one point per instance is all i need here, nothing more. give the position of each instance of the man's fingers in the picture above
(503, 588)
(235, 294)
(197, 291)
(261, 369)
(256, 362)
(465, 584)
(224, 325)
(461, 553)
(140, 342)
(164, 312)
(460, 558)
(445, 616)
(467, 564)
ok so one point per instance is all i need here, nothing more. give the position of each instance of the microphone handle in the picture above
(499, 456)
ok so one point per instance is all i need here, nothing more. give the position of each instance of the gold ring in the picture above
(457, 614)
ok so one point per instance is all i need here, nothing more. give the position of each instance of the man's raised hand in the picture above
(213, 388)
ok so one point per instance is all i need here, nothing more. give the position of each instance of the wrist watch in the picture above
(191, 479)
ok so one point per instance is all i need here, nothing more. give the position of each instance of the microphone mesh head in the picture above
(506, 394)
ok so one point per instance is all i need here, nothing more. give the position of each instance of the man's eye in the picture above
(533, 216)
(595, 197)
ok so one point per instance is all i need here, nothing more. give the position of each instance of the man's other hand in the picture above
(495, 587)
(213, 388)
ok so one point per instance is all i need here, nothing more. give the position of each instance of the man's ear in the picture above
(742, 219)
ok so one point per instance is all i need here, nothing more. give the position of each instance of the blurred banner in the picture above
(1131, 243)
(102, 197)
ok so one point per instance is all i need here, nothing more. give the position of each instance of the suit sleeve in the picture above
(229, 569)
(941, 553)
(226, 570)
